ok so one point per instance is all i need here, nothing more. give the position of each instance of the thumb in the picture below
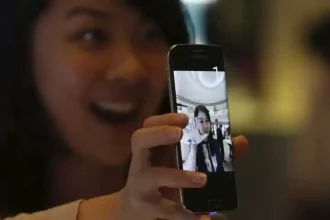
(204, 136)
(195, 122)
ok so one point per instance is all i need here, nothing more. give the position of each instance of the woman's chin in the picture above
(114, 157)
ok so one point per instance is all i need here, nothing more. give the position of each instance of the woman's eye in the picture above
(94, 36)
(91, 38)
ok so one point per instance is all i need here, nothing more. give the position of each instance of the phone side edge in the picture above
(171, 85)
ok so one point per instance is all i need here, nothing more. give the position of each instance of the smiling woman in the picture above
(77, 78)
(80, 84)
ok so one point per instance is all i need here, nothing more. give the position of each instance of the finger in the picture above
(240, 145)
(174, 119)
(195, 123)
(166, 209)
(171, 194)
(152, 179)
(146, 138)
(192, 127)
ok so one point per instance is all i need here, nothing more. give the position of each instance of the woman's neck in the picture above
(72, 179)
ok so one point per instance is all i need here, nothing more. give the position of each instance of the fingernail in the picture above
(177, 134)
(199, 178)
(182, 116)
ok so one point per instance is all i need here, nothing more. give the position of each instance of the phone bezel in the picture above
(187, 57)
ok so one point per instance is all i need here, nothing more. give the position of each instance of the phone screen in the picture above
(206, 144)
(198, 89)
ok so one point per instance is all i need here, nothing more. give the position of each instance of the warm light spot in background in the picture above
(287, 73)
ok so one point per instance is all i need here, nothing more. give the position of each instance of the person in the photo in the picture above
(227, 134)
(205, 153)
(218, 128)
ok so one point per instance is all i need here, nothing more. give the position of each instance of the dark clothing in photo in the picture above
(214, 148)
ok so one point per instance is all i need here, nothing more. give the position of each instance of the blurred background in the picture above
(278, 74)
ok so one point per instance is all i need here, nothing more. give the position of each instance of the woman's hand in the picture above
(142, 197)
(148, 192)
(196, 136)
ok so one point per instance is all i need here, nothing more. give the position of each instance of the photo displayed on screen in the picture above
(206, 144)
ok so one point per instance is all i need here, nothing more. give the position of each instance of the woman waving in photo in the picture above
(205, 153)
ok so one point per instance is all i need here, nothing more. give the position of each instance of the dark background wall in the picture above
(261, 179)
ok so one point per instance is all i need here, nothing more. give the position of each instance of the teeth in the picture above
(117, 107)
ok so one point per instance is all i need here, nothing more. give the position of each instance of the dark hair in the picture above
(202, 108)
(26, 130)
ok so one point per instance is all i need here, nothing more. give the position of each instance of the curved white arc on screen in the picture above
(193, 75)
(219, 78)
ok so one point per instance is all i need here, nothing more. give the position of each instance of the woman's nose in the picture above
(127, 64)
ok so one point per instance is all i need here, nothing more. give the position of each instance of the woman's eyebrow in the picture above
(85, 10)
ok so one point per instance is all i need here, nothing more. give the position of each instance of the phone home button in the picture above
(214, 204)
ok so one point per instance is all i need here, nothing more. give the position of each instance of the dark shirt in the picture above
(214, 148)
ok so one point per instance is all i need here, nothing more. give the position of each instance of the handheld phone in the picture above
(197, 85)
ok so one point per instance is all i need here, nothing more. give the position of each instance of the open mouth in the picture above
(113, 113)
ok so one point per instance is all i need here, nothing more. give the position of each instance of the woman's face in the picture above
(204, 124)
(100, 68)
